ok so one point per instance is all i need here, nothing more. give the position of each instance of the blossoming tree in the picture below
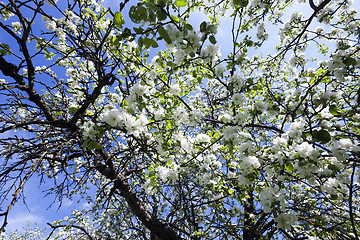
(179, 140)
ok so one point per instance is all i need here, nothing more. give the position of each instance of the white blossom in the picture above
(175, 89)
(286, 220)
(202, 138)
(159, 114)
(261, 33)
(2, 82)
(249, 162)
(113, 117)
(212, 52)
(237, 98)
(306, 150)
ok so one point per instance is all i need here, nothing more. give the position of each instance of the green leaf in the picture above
(322, 136)
(141, 106)
(154, 43)
(333, 168)
(152, 16)
(176, 19)
(140, 41)
(203, 26)
(249, 43)
(126, 33)
(6, 49)
(119, 19)
(150, 43)
(289, 166)
(86, 142)
(164, 34)
(161, 15)
(100, 134)
(350, 61)
(94, 145)
(138, 30)
(180, 3)
(203, 37)
(212, 40)
(333, 110)
(130, 110)
(116, 40)
(73, 110)
(306, 134)
(334, 197)
(162, 3)
(189, 27)
(241, 3)
(137, 14)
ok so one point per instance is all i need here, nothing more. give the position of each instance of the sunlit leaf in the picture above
(333, 110)
(289, 166)
(176, 19)
(180, 3)
(119, 19)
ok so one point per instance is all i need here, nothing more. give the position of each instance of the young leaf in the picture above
(176, 19)
(119, 19)
(180, 3)
(289, 167)
(333, 110)
(130, 110)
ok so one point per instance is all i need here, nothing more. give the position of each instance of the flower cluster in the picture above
(121, 118)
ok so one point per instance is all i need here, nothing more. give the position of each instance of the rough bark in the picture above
(249, 229)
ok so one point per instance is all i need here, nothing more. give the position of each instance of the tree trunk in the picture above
(249, 229)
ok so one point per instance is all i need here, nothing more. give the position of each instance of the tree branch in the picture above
(312, 5)
(74, 226)
(162, 230)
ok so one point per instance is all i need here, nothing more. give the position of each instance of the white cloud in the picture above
(67, 202)
(86, 206)
(22, 220)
